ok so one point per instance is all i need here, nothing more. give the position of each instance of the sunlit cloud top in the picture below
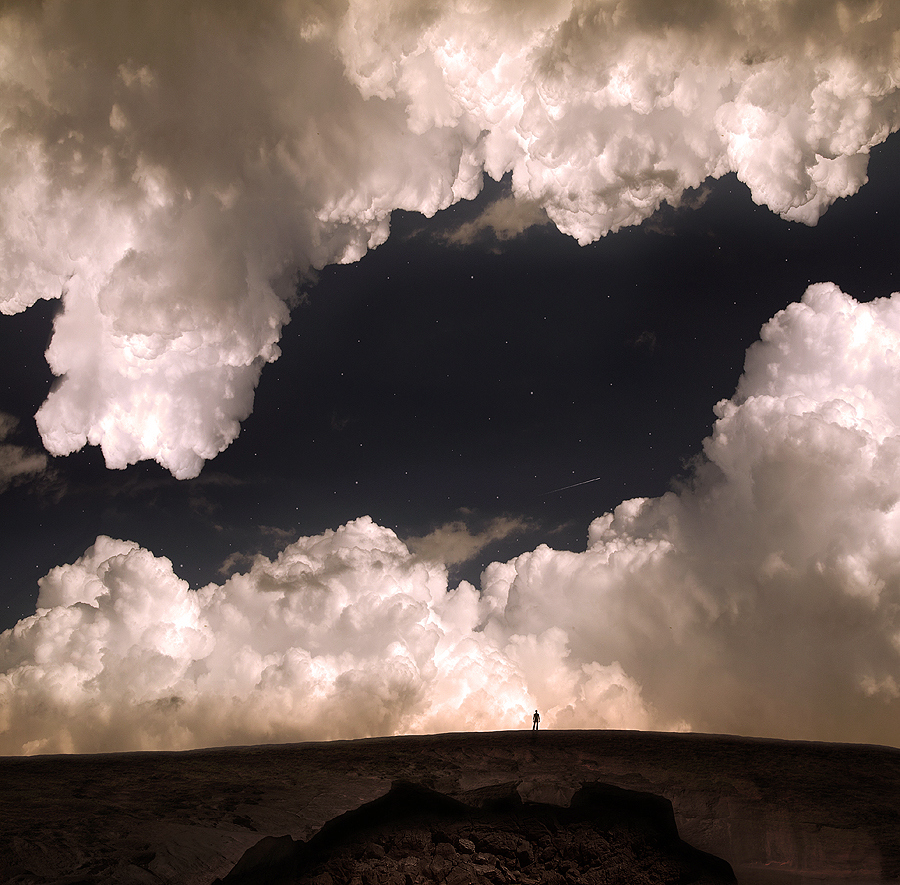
(170, 171)
(760, 596)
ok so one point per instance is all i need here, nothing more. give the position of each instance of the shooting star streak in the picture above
(584, 482)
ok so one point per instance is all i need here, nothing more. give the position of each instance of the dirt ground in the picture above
(823, 811)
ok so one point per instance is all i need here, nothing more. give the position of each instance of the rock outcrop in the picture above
(417, 836)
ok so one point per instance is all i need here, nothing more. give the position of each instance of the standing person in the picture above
(535, 720)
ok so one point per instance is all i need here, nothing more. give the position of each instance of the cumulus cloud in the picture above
(341, 635)
(170, 170)
(761, 597)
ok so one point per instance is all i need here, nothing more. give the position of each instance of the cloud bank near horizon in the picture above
(170, 171)
(760, 597)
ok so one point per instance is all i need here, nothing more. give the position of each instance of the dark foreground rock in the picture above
(803, 809)
(417, 836)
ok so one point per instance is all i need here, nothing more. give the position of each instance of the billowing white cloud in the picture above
(343, 635)
(168, 170)
(762, 597)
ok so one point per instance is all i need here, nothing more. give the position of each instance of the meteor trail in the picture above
(584, 482)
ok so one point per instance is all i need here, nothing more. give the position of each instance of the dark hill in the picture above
(774, 810)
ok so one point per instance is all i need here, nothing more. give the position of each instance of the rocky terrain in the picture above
(776, 811)
(416, 835)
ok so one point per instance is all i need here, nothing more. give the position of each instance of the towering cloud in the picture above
(170, 170)
(762, 597)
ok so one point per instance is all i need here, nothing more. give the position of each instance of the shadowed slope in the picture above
(827, 810)
(417, 835)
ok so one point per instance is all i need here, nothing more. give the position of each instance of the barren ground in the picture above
(770, 808)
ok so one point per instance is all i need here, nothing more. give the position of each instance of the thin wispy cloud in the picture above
(456, 542)
(18, 464)
(504, 219)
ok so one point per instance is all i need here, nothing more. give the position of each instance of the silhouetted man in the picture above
(535, 720)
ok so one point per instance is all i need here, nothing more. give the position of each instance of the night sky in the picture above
(481, 392)
(430, 383)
